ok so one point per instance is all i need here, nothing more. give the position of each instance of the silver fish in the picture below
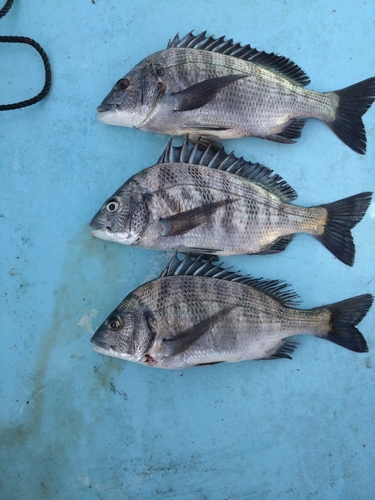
(199, 313)
(216, 88)
(206, 201)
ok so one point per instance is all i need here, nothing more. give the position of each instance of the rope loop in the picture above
(43, 55)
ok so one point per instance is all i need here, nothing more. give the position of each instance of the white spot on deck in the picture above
(86, 320)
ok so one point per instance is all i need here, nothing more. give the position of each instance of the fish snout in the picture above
(96, 224)
(103, 107)
(94, 339)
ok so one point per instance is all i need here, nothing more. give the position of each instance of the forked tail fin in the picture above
(345, 315)
(354, 101)
(342, 216)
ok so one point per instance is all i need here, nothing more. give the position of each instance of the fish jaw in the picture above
(145, 360)
(116, 117)
(104, 234)
(103, 231)
(111, 352)
(114, 111)
(103, 347)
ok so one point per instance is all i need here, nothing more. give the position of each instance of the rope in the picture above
(43, 55)
(6, 8)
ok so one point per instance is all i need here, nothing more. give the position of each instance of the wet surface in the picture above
(74, 423)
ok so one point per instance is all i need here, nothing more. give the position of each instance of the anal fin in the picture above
(279, 245)
(291, 131)
(283, 350)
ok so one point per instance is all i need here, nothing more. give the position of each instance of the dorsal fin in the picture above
(214, 157)
(203, 265)
(279, 64)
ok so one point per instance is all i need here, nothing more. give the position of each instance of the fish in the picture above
(216, 88)
(200, 313)
(203, 200)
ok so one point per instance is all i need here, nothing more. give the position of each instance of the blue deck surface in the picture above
(75, 424)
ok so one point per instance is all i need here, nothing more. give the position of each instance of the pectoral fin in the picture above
(183, 340)
(185, 221)
(201, 93)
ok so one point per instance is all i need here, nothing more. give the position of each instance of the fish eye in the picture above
(122, 84)
(112, 206)
(114, 324)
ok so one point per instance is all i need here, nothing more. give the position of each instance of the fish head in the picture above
(134, 97)
(124, 216)
(127, 332)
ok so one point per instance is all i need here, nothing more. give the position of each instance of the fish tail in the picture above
(342, 216)
(354, 101)
(345, 315)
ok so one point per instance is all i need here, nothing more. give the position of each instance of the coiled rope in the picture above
(43, 55)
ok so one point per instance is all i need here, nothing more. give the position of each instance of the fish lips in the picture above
(103, 347)
(95, 340)
(109, 113)
(111, 116)
(112, 112)
(103, 107)
(97, 224)
(100, 230)
(104, 232)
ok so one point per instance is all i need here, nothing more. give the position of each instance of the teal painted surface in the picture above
(77, 425)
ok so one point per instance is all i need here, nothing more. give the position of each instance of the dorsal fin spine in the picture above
(235, 163)
(200, 37)
(214, 158)
(169, 150)
(226, 160)
(279, 64)
(193, 152)
(203, 266)
(185, 153)
(208, 156)
(202, 160)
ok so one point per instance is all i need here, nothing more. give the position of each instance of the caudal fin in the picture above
(342, 216)
(345, 315)
(354, 101)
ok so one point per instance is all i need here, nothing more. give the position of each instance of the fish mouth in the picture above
(102, 108)
(103, 232)
(96, 224)
(112, 115)
(100, 343)
(110, 352)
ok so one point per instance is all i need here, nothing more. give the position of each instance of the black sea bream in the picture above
(217, 88)
(199, 313)
(203, 200)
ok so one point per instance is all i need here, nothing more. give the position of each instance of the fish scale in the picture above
(201, 298)
(203, 200)
(214, 188)
(220, 89)
(198, 312)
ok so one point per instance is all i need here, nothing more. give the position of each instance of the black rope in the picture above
(47, 67)
(6, 8)
(43, 55)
